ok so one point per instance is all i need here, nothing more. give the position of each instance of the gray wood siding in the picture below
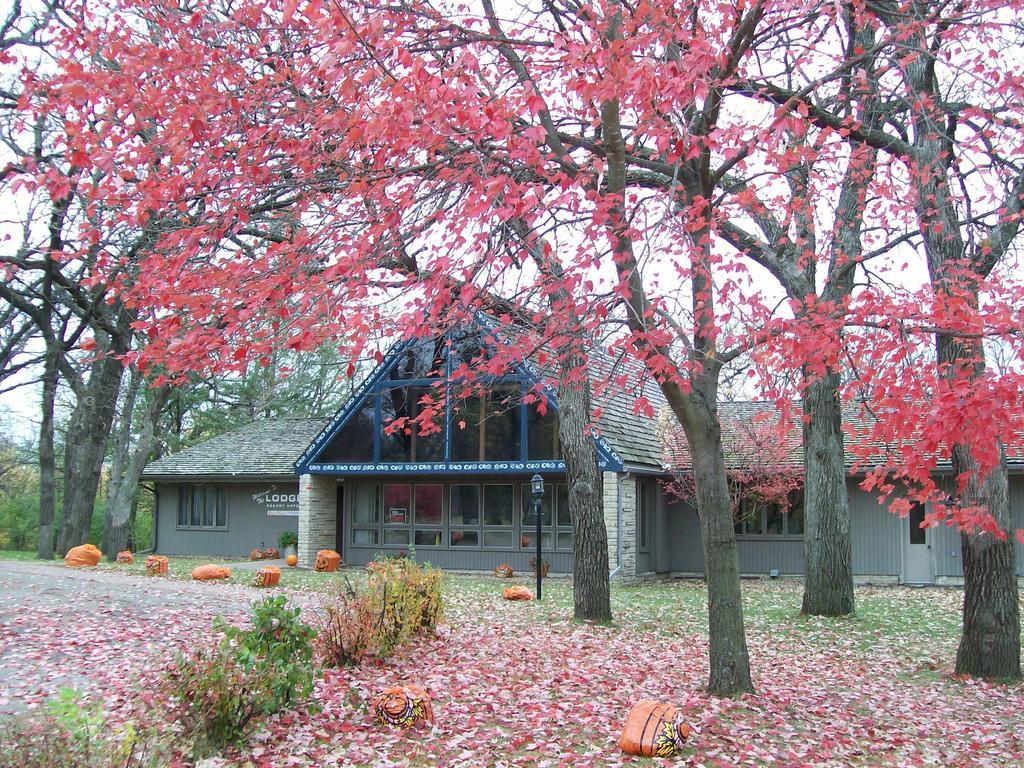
(248, 525)
(876, 535)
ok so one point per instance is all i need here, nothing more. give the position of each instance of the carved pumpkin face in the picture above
(326, 560)
(404, 706)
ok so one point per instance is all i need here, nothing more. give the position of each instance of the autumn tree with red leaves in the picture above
(582, 167)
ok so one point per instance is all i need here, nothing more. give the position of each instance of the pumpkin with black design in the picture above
(327, 560)
(156, 565)
(504, 571)
(125, 557)
(268, 576)
(653, 729)
(406, 706)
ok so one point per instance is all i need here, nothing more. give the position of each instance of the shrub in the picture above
(288, 539)
(71, 734)
(346, 625)
(410, 599)
(217, 690)
(401, 599)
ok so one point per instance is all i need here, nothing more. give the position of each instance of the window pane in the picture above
(421, 361)
(197, 507)
(469, 348)
(917, 533)
(222, 508)
(210, 508)
(643, 512)
(184, 499)
(428, 436)
(364, 505)
(498, 506)
(541, 433)
(354, 442)
(465, 538)
(465, 429)
(365, 536)
(545, 506)
(430, 538)
(465, 505)
(754, 522)
(564, 519)
(397, 499)
(795, 517)
(395, 440)
(526, 541)
(428, 504)
(501, 423)
(775, 520)
(396, 536)
(498, 539)
(565, 541)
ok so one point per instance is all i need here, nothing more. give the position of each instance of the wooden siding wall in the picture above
(249, 525)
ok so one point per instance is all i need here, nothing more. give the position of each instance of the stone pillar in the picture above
(318, 516)
(612, 489)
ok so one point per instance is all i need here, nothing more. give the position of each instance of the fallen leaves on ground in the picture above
(523, 685)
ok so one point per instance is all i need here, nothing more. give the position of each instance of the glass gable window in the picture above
(202, 507)
(756, 518)
(425, 408)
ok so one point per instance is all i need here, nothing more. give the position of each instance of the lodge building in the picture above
(458, 494)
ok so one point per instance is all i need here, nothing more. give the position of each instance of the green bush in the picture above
(346, 625)
(410, 598)
(72, 734)
(218, 690)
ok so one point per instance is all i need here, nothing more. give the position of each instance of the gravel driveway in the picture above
(97, 631)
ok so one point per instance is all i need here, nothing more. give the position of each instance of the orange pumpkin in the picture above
(653, 729)
(156, 565)
(271, 554)
(126, 557)
(256, 554)
(208, 572)
(406, 706)
(268, 576)
(504, 571)
(292, 561)
(517, 593)
(327, 560)
(84, 555)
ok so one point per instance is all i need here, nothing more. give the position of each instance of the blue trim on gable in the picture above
(607, 458)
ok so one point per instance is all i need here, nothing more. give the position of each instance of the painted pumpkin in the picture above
(517, 593)
(125, 557)
(406, 706)
(156, 565)
(256, 554)
(271, 554)
(268, 576)
(292, 561)
(84, 555)
(653, 729)
(504, 571)
(327, 560)
(208, 572)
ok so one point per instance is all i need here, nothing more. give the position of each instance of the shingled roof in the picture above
(265, 448)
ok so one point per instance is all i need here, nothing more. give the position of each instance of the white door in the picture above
(917, 549)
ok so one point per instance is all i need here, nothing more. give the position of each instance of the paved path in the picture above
(97, 631)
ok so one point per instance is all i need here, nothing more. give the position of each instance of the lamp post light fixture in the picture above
(537, 491)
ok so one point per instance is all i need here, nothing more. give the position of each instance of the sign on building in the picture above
(278, 502)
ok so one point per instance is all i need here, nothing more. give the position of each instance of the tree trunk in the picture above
(47, 456)
(828, 584)
(125, 484)
(86, 443)
(729, 659)
(590, 578)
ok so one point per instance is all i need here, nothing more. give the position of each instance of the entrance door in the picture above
(917, 549)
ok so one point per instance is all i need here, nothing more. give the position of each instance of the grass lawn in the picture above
(522, 684)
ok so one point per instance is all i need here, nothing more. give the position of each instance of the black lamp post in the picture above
(537, 491)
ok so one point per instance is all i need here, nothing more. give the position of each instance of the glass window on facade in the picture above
(466, 426)
(501, 425)
(397, 504)
(529, 519)
(429, 501)
(202, 507)
(541, 433)
(498, 506)
(757, 518)
(564, 518)
(365, 505)
(465, 506)
(354, 443)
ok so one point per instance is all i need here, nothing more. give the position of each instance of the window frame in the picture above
(796, 499)
(643, 516)
(203, 490)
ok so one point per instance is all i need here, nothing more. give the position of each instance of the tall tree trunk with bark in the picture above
(828, 582)
(86, 442)
(125, 473)
(590, 581)
(47, 454)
